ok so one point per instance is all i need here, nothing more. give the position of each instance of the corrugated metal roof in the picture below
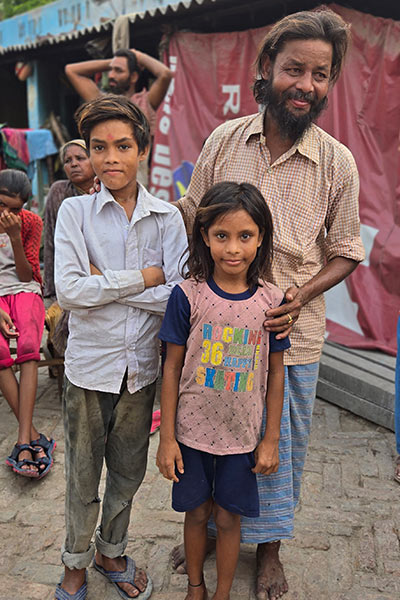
(107, 25)
(56, 39)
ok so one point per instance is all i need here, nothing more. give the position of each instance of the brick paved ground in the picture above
(347, 526)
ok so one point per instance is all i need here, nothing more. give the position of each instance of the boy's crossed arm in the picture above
(81, 284)
(174, 248)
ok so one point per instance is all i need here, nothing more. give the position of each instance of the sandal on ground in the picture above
(44, 464)
(127, 576)
(42, 443)
(62, 594)
(17, 465)
(396, 475)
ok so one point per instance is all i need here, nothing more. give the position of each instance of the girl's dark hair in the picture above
(15, 183)
(110, 106)
(223, 198)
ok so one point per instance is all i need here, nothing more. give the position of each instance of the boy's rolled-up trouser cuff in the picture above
(77, 560)
(110, 550)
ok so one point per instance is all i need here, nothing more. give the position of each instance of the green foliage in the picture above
(10, 8)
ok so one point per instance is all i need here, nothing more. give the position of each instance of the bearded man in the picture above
(310, 183)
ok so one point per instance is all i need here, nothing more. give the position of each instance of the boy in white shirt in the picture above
(117, 258)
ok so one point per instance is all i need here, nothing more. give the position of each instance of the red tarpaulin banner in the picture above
(212, 83)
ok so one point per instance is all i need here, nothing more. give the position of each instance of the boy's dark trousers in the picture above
(99, 426)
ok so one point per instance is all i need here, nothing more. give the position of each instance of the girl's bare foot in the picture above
(197, 592)
(271, 580)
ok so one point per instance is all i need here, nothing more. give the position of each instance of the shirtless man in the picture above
(123, 73)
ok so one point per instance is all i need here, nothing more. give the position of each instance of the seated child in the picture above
(117, 256)
(222, 366)
(21, 300)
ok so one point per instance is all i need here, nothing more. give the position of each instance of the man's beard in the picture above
(291, 126)
(119, 88)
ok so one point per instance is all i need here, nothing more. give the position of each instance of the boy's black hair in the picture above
(15, 183)
(110, 106)
(223, 198)
(131, 59)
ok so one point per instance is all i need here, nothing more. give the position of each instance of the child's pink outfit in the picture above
(26, 309)
(22, 299)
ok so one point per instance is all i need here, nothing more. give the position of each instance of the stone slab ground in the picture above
(347, 525)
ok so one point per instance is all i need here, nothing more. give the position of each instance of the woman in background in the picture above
(75, 161)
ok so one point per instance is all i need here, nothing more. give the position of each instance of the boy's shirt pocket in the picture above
(152, 257)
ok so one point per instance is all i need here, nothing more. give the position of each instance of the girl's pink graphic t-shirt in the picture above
(224, 378)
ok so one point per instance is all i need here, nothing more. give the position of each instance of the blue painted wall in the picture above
(66, 16)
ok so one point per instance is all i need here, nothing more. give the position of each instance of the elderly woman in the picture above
(75, 160)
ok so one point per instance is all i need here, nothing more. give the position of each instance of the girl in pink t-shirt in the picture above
(222, 368)
(21, 317)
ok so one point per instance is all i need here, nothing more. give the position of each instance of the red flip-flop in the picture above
(156, 421)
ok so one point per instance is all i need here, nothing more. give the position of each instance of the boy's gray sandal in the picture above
(62, 594)
(127, 576)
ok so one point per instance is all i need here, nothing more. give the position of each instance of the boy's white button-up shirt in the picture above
(114, 320)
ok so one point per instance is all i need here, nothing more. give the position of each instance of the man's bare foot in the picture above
(73, 580)
(197, 592)
(271, 580)
(178, 555)
(119, 564)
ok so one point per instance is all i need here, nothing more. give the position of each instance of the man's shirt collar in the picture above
(307, 145)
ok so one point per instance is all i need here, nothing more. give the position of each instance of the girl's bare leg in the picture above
(27, 396)
(21, 399)
(195, 536)
(9, 387)
(228, 545)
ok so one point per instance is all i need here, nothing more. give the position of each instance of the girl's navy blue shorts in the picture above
(227, 479)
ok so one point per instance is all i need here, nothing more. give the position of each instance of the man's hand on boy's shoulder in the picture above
(96, 186)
